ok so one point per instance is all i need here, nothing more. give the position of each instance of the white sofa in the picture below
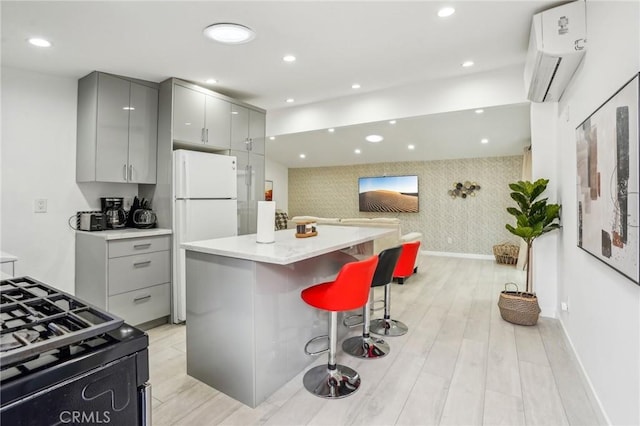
(378, 222)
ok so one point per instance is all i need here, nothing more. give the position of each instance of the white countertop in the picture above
(122, 233)
(7, 257)
(287, 248)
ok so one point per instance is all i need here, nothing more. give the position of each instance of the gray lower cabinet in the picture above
(128, 277)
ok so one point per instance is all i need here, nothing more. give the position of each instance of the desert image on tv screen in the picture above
(389, 194)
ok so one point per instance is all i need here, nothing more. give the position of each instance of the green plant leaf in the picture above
(513, 211)
(522, 201)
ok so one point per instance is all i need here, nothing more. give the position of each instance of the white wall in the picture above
(543, 165)
(279, 175)
(603, 320)
(38, 157)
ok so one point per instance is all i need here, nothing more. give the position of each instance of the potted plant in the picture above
(533, 218)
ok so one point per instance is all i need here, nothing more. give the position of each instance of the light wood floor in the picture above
(459, 364)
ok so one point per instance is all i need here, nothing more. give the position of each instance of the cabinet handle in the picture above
(141, 298)
(145, 263)
(250, 144)
(141, 246)
(202, 135)
(207, 136)
(124, 171)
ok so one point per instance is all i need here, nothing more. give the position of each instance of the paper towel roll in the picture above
(266, 222)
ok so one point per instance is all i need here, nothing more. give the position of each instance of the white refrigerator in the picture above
(206, 207)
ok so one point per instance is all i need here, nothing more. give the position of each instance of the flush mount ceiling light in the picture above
(229, 33)
(446, 11)
(40, 42)
(374, 138)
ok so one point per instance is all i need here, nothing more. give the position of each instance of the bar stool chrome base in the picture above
(388, 327)
(331, 384)
(366, 347)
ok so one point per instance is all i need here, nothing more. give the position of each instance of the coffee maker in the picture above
(113, 211)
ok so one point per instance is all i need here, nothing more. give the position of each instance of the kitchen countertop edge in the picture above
(124, 233)
(287, 249)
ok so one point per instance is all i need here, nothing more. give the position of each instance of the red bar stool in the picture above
(404, 268)
(406, 264)
(350, 290)
(365, 346)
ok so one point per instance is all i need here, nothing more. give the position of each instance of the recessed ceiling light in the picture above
(485, 140)
(355, 86)
(357, 151)
(211, 81)
(392, 122)
(234, 112)
(290, 100)
(289, 58)
(374, 138)
(479, 111)
(446, 11)
(467, 64)
(40, 42)
(229, 33)
(331, 130)
(303, 156)
(272, 138)
(128, 108)
(411, 147)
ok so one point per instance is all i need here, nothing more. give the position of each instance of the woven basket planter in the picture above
(506, 253)
(518, 307)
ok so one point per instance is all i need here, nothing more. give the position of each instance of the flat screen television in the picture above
(395, 194)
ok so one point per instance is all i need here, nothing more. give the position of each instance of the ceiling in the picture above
(377, 44)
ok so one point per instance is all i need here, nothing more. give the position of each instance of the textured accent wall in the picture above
(473, 224)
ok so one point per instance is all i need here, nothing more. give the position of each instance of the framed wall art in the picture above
(607, 181)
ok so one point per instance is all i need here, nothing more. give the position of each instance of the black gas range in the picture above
(64, 361)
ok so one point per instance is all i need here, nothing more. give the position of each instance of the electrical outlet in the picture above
(40, 205)
(449, 240)
(564, 306)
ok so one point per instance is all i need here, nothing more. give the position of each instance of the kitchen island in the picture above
(246, 323)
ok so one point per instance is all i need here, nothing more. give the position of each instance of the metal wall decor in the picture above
(464, 190)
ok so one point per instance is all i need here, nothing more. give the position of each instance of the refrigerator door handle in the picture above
(185, 177)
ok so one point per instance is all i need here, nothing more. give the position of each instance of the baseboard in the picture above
(593, 396)
(464, 255)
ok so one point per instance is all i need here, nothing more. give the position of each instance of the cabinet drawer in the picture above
(134, 272)
(142, 305)
(129, 246)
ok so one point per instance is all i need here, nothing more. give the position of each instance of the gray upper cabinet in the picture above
(200, 119)
(247, 129)
(117, 130)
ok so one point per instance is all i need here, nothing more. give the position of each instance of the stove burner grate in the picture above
(35, 318)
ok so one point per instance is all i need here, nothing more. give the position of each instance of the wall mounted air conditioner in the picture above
(557, 45)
